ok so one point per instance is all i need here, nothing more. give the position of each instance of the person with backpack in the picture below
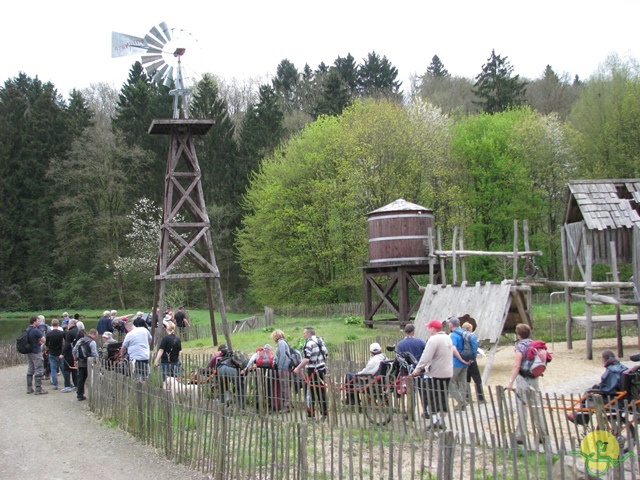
(283, 371)
(84, 349)
(54, 341)
(526, 388)
(473, 372)
(314, 365)
(168, 355)
(464, 353)
(35, 364)
(69, 369)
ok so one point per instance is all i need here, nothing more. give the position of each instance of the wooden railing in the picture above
(221, 436)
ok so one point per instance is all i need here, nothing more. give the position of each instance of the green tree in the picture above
(261, 133)
(223, 176)
(454, 95)
(336, 95)
(377, 78)
(607, 119)
(218, 150)
(348, 70)
(285, 85)
(552, 93)
(90, 220)
(436, 68)
(496, 87)
(34, 129)
(503, 156)
(306, 208)
(139, 103)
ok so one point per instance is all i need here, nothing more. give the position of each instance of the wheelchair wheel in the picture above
(376, 403)
(624, 431)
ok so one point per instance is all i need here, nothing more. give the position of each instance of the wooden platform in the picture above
(627, 319)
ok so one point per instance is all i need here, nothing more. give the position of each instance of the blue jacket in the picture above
(458, 343)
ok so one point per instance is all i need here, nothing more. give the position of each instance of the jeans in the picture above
(55, 363)
(172, 369)
(231, 381)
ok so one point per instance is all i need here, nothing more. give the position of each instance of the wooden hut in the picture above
(601, 226)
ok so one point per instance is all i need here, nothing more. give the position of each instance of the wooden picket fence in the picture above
(216, 433)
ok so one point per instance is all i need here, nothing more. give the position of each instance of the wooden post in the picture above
(588, 300)
(635, 256)
(515, 250)
(443, 276)
(614, 272)
(567, 290)
(432, 258)
(453, 256)
(463, 264)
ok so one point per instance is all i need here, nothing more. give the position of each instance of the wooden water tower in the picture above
(398, 235)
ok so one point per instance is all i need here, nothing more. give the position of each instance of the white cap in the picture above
(139, 314)
(375, 347)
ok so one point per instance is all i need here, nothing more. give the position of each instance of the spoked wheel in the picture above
(377, 404)
(625, 434)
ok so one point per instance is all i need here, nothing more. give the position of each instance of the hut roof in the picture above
(604, 203)
(401, 205)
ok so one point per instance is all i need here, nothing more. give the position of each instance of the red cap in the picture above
(437, 324)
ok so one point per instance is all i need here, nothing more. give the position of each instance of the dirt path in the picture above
(56, 437)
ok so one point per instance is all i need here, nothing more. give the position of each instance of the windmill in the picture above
(161, 51)
(185, 232)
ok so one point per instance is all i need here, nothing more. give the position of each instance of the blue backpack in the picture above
(469, 345)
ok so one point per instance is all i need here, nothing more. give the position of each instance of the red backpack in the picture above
(265, 358)
(535, 360)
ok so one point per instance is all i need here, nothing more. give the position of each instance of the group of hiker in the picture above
(281, 368)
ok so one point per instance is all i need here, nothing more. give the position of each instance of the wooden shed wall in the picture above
(600, 239)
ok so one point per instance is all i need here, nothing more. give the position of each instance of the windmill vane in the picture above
(162, 50)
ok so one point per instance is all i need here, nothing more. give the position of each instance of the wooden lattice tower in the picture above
(186, 247)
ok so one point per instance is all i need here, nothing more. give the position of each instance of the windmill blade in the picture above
(169, 78)
(150, 58)
(159, 74)
(149, 39)
(123, 45)
(165, 30)
(156, 33)
(151, 69)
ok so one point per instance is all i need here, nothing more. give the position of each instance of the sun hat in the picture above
(375, 347)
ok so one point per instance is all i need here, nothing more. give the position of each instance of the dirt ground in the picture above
(569, 371)
(56, 437)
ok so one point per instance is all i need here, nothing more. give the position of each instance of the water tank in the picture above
(398, 233)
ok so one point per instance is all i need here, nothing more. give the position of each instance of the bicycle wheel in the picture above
(377, 404)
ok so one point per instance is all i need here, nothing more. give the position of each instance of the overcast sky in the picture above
(68, 42)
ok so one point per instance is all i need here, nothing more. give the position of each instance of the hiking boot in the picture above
(29, 390)
(40, 392)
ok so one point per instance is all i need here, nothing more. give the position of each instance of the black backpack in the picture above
(23, 343)
(83, 354)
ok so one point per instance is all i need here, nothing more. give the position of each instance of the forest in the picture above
(291, 168)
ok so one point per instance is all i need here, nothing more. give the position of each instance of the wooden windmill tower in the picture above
(186, 247)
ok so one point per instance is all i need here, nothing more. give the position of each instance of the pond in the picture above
(10, 329)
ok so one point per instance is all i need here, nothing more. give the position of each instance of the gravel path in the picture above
(56, 437)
